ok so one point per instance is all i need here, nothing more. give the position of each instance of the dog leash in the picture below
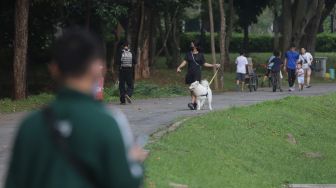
(212, 79)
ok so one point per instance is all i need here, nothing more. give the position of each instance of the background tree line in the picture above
(153, 27)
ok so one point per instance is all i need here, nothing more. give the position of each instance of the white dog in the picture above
(202, 91)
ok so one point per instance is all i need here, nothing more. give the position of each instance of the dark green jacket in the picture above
(100, 137)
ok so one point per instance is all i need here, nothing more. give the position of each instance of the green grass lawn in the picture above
(247, 147)
(32, 102)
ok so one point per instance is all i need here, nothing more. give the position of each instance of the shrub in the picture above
(326, 42)
(257, 43)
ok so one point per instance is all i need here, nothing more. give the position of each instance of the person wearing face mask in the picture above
(126, 62)
(195, 61)
(75, 141)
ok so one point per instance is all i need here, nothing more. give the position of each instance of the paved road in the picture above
(147, 116)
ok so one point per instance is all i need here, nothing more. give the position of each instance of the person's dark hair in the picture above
(276, 53)
(300, 63)
(292, 46)
(75, 50)
(125, 43)
(197, 45)
(242, 52)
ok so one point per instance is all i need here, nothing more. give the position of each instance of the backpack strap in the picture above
(60, 140)
(192, 55)
(305, 60)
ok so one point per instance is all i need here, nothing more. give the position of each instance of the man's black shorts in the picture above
(240, 76)
(193, 76)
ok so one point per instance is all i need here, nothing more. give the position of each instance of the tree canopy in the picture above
(153, 27)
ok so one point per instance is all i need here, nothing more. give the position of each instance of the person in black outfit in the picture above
(195, 61)
(126, 62)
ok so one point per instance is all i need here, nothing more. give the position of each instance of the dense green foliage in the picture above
(258, 43)
(249, 147)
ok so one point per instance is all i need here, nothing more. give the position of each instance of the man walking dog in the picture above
(126, 61)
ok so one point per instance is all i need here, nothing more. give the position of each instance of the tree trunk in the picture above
(304, 12)
(297, 14)
(173, 43)
(276, 29)
(222, 40)
(286, 24)
(152, 39)
(164, 47)
(115, 49)
(176, 51)
(137, 71)
(229, 34)
(165, 35)
(309, 40)
(212, 36)
(203, 8)
(20, 48)
(276, 40)
(246, 38)
(133, 24)
(142, 67)
(88, 14)
(332, 23)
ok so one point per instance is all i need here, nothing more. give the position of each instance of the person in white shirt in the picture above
(241, 62)
(306, 59)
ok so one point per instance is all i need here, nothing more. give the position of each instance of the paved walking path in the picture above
(147, 116)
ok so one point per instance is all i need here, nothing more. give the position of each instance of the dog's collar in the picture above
(206, 95)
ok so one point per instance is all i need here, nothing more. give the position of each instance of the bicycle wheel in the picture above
(274, 82)
(250, 84)
(256, 83)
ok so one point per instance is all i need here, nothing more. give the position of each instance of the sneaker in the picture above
(309, 86)
(128, 99)
(122, 103)
(191, 106)
(195, 106)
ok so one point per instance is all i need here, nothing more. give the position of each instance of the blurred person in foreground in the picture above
(75, 141)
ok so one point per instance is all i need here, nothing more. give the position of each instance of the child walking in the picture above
(300, 75)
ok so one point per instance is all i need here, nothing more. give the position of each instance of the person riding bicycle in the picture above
(268, 69)
(275, 71)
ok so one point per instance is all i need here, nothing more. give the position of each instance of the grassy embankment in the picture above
(247, 147)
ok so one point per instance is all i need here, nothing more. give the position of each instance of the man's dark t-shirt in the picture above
(195, 61)
(277, 64)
